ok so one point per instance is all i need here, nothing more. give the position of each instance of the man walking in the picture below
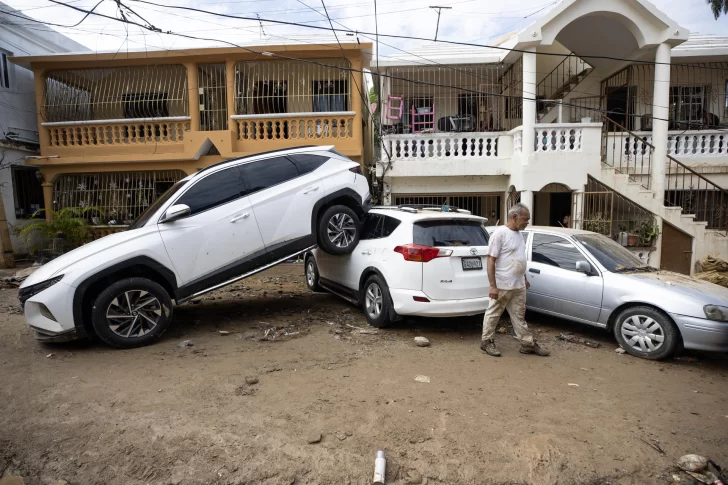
(508, 283)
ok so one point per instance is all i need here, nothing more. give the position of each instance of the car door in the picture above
(220, 233)
(283, 201)
(556, 286)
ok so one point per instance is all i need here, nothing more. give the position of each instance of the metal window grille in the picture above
(120, 196)
(450, 98)
(27, 192)
(514, 197)
(263, 87)
(213, 97)
(483, 205)
(115, 93)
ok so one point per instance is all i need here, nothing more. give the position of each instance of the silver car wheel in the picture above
(134, 313)
(311, 274)
(374, 301)
(341, 230)
(643, 333)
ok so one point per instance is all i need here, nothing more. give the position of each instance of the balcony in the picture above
(702, 144)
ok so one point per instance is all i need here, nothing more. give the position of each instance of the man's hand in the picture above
(493, 293)
(528, 285)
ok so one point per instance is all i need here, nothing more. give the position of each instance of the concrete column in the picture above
(660, 113)
(194, 96)
(529, 102)
(231, 88)
(47, 199)
(527, 198)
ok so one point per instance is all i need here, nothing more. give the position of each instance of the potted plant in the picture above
(68, 228)
(647, 232)
(598, 223)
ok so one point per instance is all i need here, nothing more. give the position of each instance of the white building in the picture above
(20, 187)
(638, 109)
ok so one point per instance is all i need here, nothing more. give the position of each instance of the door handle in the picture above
(310, 189)
(367, 251)
(239, 217)
(534, 271)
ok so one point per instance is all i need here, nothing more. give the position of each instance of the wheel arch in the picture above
(365, 275)
(346, 197)
(612, 320)
(92, 286)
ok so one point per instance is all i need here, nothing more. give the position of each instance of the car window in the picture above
(377, 226)
(555, 251)
(450, 233)
(144, 217)
(266, 173)
(308, 162)
(216, 189)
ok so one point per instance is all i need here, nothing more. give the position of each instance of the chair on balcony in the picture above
(423, 119)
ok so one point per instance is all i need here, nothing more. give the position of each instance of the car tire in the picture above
(143, 309)
(339, 229)
(639, 328)
(312, 274)
(377, 302)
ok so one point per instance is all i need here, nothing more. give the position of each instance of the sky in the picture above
(479, 21)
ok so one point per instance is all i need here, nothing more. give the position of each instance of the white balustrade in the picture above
(680, 144)
(558, 138)
(447, 146)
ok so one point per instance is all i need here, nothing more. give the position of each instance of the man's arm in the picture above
(493, 292)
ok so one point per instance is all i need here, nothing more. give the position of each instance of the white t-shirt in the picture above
(509, 249)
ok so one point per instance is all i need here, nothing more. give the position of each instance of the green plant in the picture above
(69, 224)
(598, 223)
(647, 231)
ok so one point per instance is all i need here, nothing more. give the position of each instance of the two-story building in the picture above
(607, 116)
(21, 191)
(117, 129)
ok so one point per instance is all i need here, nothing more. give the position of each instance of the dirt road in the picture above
(88, 414)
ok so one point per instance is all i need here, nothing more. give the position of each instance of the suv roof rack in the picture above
(431, 207)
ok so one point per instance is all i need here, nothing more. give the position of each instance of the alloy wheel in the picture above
(311, 274)
(374, 301)
(643, 333)
(133, 313)
(341, 230)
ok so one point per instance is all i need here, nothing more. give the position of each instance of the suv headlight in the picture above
(715, 312)
(25, 293)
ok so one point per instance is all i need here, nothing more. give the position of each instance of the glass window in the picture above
(267, 173)
(390, 224)
(377, 226)
(450, 233)
(144, 217)
(216, 189)
(555, 251)
(308, 162)
(611, 255)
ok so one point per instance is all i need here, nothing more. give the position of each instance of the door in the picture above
(221, 231)
(556, 286)
(677, 250)
(283, 202)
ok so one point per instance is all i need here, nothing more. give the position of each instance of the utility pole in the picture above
(439, 10)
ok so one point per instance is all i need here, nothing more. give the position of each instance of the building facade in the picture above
(603, 116)
(116, 130)
(20, 187)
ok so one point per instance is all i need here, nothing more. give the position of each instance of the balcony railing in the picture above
(449, 146)
(692, 144)
(117, 132)
(295, 126)
(552, 138)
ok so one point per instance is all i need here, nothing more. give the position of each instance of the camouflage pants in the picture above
(515, 302)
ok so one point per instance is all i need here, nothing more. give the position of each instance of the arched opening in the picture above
(552, 206)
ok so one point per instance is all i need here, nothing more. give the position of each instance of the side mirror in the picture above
(583, 267)
(179, 211)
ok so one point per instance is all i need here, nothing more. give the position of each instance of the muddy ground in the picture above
(88, 414)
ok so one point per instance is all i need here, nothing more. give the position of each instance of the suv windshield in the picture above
(612, 256)
(450, 233)
(144, 217)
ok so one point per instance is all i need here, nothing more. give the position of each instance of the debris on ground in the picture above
(693, 463)
(314, 438)
(276, 333)
(573, 385)
(251, 380)
(714, 270)
(569, 337)
(654, 445)
(422, 342)
(49, 356)
(223, 332)
(368, 331)
(620, 350)
(701, 469)
(685, 358)
(185, 343)
(424, 379)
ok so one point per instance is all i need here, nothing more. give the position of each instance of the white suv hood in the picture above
(60, 264)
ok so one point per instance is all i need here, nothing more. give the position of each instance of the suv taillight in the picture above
(356, 170)
(421, 254)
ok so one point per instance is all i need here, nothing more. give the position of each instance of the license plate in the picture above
(472, 263)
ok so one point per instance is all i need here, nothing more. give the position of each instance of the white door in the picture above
(556, 286)
(459, 270)
(283, 203)
(220, 233)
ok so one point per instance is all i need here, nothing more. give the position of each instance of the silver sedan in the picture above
(589, 278)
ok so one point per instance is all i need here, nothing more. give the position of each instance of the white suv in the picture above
(222, 224)
(410, 261)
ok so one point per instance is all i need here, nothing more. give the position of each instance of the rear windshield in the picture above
(450, 233)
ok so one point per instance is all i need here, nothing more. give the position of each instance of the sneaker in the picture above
(488, 346)
(534, 349)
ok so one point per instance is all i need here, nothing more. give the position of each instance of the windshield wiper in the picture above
(644, 269)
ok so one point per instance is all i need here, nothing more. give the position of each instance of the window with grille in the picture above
(687, 102)
(27, 191)
(330, 96)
